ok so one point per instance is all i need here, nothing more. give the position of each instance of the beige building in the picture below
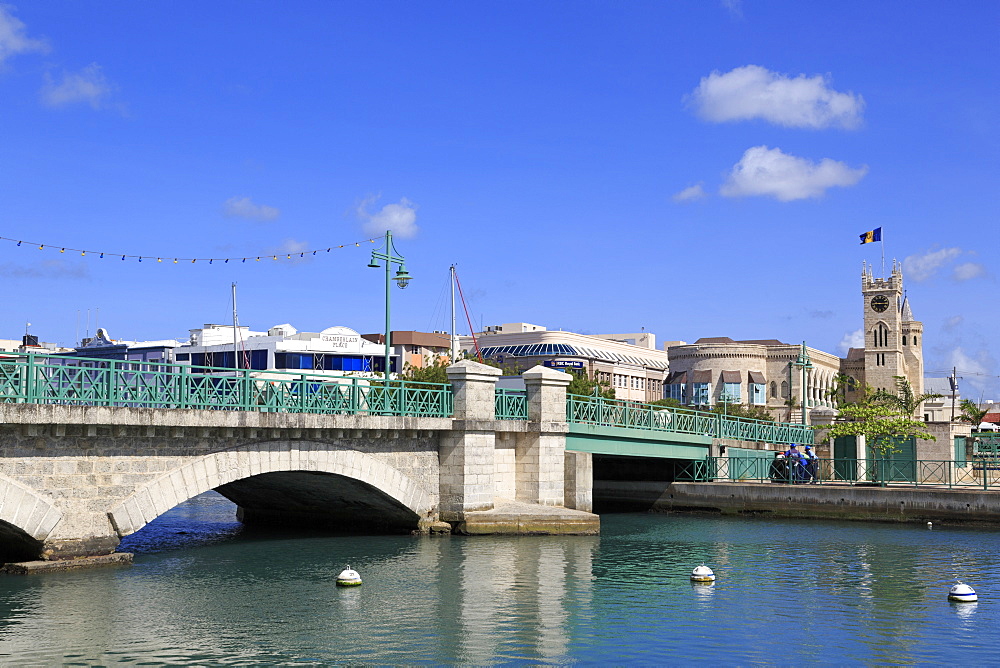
(414, 348)
(630, 363)
(753, 372)
(893, 339)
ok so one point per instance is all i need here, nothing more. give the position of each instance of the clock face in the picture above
(880, 303)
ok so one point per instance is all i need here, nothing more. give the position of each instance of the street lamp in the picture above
(402, 278)
(805, 365)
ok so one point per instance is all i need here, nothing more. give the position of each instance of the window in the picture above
(774, 390)
(676, 391)
(880, 336)
(904, 339)
(757, 396)
(784, 389)
(731, 393)
(701, 394)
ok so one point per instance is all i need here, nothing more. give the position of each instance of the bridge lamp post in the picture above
(390, 256)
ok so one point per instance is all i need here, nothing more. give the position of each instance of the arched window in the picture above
(774, 390)
(784, 389)
(904, 339)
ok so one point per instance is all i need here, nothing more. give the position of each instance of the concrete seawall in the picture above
(845, 502)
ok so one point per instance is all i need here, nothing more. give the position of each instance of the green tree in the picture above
(435, 370)
(971, 413)
(842, 384)
(582, 385)
(667, 403)
(743, 411)
(880, 424)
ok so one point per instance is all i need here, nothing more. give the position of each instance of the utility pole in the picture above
(953, 382)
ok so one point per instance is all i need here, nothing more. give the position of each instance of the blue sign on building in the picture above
(563, 364)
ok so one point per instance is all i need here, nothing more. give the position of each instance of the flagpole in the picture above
(882, 240)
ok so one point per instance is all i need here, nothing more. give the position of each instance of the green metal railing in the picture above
(617, 413)
(52, 379)
(511, 404)
(978, 473)
(986, 443)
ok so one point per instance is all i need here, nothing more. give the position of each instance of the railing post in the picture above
(29, 380)
(109, 382)
(183, 392)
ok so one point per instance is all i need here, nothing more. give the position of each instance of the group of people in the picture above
(794, 466)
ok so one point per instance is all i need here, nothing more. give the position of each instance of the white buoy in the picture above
(348, 578)
(702, 574)
(962, 593)
(930, 524)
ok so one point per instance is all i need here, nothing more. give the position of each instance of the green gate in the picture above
(845, 458)
(898, 466)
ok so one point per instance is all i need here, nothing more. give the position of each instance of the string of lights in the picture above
(175, 260)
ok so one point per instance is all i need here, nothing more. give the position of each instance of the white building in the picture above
(630, 363)
(335, 351)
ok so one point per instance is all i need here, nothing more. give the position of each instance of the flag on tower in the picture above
(871, 235)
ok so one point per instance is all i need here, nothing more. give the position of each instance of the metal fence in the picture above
(977, 473)
(511, 404)
(76, 381)
(617, 413)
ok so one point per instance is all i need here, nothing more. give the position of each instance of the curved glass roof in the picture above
(553, 349)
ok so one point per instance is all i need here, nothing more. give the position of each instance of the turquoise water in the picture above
(203, 591)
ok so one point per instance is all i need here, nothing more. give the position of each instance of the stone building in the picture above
(765, 373)
(893, 338)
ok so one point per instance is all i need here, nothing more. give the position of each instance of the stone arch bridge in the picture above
(75, 479)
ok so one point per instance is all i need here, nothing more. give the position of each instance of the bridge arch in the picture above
(247, 461)
(26, 520)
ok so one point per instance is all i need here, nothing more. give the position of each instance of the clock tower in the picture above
(893, 339)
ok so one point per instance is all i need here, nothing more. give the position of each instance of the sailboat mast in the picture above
(454, 334)
(236, 348)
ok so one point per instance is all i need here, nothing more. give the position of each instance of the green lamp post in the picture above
(805, 365)
(390, 255)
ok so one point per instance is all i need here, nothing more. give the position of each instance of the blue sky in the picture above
(691, 168)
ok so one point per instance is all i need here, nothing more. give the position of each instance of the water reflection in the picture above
(204, 591)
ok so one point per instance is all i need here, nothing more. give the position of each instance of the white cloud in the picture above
(975, 371)
(244, 207)
(89, 86)
(690, 194)
(735, 8)
(400, 218)
(290, 251)
(922, 267)
(855, 339)
(951, 323)
(752, 92)
(770, 172)
(12, 36)
(969, 270)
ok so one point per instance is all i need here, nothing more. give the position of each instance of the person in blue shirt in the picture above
(809, 461)
(796, 469)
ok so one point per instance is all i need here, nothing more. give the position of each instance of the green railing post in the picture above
(109, 382)
(302, 403)
(29, 379)
(184, 389)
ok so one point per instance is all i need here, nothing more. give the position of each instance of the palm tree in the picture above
(971, 413)
(904, 401)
